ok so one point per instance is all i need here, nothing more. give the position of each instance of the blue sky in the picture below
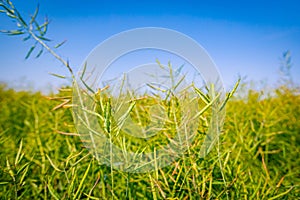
(244, 38)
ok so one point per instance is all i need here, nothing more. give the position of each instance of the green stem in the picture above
(65, 63)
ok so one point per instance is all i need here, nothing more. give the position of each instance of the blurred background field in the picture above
(259, 154)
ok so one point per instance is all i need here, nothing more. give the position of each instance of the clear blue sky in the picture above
(243, 37)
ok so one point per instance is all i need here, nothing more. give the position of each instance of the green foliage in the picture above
(26, 29)
(42, 158)
(259, 155)
(31, 29)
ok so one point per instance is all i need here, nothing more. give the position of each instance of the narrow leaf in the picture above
(40, 53)
(123, 118)
(230, 94)
(57, 75)
(45, 26)
(179, 82)
(205, 108)
(21, 19)
(26, 166)
(61, 105)
(88, 87)
(178, 71)
(15, 32)
(27, 38)
(43, 38)
(60, 44)
(202, 95)
(11, 16)
(8, 11)
(17, 160)
(29, 52)
(10, 3)
(82, 181)
(52, 192)
(84, 69)
(35, 14)
(53, 165)
(21, 169)
(38, 27)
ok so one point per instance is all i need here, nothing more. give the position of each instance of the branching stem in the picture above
(65, 63)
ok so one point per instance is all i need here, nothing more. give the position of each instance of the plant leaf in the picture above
(60, 44)
(230, 94)
(8, 11)
(27, 38)
(35, 14)
(83, 72)
(30, 51)
(57, 75)
(45, 26)
(52, 192)
(15, 32)
(40, 53)
(20, 19)
(43, 38)
(204, 97)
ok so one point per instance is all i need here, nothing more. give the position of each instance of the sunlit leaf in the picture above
(11, 12)
(57, 75)
(203, 96)
(10, 3)
(15, 32)
(11, 16)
